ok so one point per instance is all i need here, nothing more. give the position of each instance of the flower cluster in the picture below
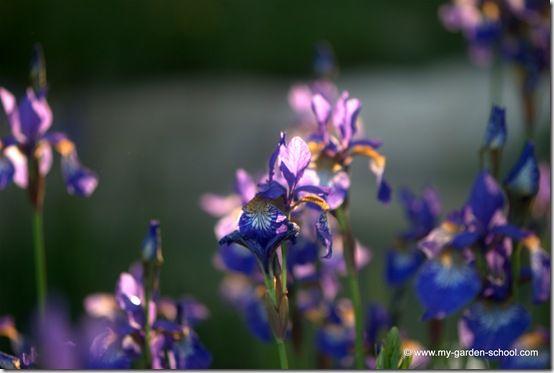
(140, 324)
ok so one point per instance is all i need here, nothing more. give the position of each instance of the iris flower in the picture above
(29, 140)
(334, 145)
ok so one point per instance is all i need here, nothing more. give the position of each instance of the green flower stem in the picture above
(284, 267)
(40, 260)
(147, 299)
(516, 268)
(349, 248)
(283, 359)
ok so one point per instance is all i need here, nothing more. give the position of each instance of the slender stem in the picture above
(349, 257)
(516, 267)
(496, 80)
(147, 300)
(283, 359)
(284, 267)
(40, 260)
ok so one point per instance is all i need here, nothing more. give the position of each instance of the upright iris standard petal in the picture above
(79, 180)
(10, 108)
(322, 110)
(493, 326)
(485, 199)
(495, 135)
(294, 158)
(262, 228)
(401, 265)
(445, 285)
(35, 116)
(245, 187)
(523, 179)
(420, 212)
(324, 234)
(7, 171)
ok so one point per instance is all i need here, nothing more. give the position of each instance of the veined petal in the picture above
(523, 179)
(492, 326)
(79, 180)
(495, 135)
(294, 158)
(262, 228)
(445, 285)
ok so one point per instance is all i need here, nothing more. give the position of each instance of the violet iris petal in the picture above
(493, 326)
(79, 180)
(495, 135)
(445, 285)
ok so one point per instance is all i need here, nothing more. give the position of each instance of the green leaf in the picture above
(390, 356)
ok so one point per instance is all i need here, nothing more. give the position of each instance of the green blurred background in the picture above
(166, 99)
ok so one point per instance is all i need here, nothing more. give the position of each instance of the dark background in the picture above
(166, 99)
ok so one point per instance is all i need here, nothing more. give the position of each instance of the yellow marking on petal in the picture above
(313, 199)
(531, 340)
(446, 260)
(369, 152)
(449, 227)
(490, 10)
(65, 147)
(532, 242)
(315, 147)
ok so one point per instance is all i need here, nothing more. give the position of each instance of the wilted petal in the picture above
(493, 326)
(324, 234)
(523, 179)
(445, 285)
(79, 180)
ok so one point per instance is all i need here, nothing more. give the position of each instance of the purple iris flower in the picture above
(29, 122)
(336, 143)
(24, 353)
(336, 337)
(403, 260)
(378, 321)
(228, 208)
(493, 326)
(538, 339)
